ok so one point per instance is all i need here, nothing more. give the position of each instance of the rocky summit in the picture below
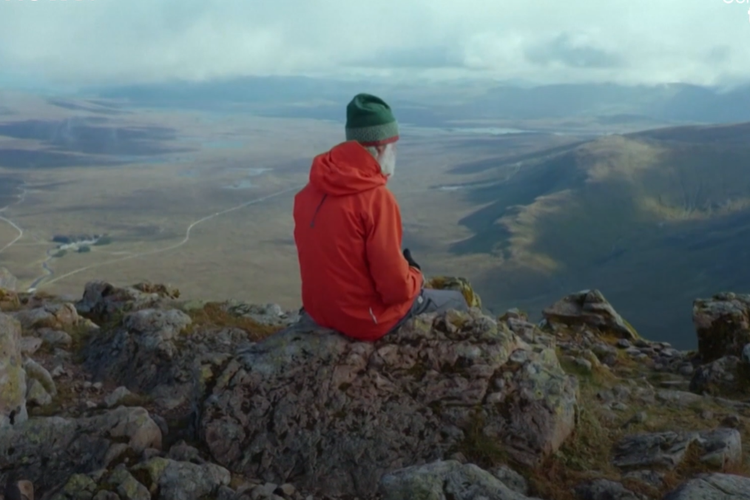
(135, 393)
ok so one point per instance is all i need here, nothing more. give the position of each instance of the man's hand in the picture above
(410, 260)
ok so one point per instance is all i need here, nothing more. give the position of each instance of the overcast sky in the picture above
(77, 42)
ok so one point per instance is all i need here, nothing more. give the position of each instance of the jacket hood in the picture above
(346, 169)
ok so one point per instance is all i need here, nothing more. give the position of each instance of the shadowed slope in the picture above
(651, 219)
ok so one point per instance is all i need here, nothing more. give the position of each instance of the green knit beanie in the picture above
(369, 121)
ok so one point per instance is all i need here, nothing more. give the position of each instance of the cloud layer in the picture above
(77, 42)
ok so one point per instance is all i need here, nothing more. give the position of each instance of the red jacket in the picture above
(347, 228)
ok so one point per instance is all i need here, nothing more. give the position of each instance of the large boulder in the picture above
(589, 308)
(722, 324)
(12, 375)
(333, 415)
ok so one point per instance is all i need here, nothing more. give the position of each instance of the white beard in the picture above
(388, 161)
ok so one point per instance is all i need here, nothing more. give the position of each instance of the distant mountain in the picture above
(652, 219)
(441, 104)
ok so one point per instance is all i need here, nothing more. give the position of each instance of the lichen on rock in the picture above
(322, 399)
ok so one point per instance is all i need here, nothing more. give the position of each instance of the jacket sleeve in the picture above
(394, 279)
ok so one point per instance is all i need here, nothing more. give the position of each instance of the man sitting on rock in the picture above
(347, 228)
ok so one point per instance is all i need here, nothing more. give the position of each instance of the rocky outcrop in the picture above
(327, 413)
(173, 399)
(722, 324)
(589, 308)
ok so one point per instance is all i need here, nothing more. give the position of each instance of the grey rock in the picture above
(264, 314)
(177, 480)
(722, 324)
(182, 452)
(56, 338)
(589, 308)
(678, 398)
(30, 345)
(746, 354)
(383, 405)
(623, 344)
(50, 315)
(47, 450)
(511, 479)
(186, 481)
(104, 300)
(686, 369)
(732, 421)
(127, 487)
(584, 364)
(638, 418)
(604, 489)
(12, 375)
(720, 377)
(36, 395)
(147, 356)
(106, 495)
(666, 450)
(603, 350)
(117, 396)
(722, 447)
(78, 487)
(713, 487)
(35, 371)
(649, 477)
(444, 479)
(7, 280)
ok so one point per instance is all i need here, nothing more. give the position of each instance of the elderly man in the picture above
(347, 228)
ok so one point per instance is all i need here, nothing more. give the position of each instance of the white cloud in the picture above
(120, 41)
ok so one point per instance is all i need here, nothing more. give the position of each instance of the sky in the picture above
(113, 42)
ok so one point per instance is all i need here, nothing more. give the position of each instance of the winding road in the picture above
(21, 198)
(14, 240)
(39, 282)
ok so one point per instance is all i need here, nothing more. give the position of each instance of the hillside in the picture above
(652, 219)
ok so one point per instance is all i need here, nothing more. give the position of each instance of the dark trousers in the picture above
(434, 301)
(428, 301)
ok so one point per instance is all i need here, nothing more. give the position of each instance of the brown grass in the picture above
(213, 315)
(587, 454)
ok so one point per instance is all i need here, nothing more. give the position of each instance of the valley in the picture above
(202, 200)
